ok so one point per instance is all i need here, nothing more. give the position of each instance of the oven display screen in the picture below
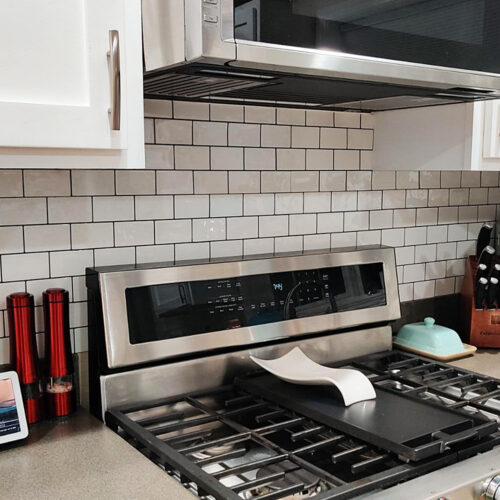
(182, 309)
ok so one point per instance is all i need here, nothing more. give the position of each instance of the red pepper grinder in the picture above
(24, 354)
(59, 383)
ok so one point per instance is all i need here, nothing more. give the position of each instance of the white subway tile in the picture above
(366, 238)
(473, 230)
(18, 211)
(92, 235)
(404, 255)
(291, 116)
(359, 139)
(466, 248)
(369, 200)
(261, 246)
(11, 240)
(291, 159)
(343, 240)
(242, 227)
(423, 290)
(260, 114)
(11, 183)
(446, 251)
(221, 249)
(447, 215)
(113, 208)
(304, 181)
(275, 182)
(16, 267)
(356, 221)
(154, 253)
(384, 179)
(316, 242)
(416, 198)
(78, 315)
(317, 202)
(81, 340)
(346, 160)
(47, 183)
(289, 203)
(425, 253)
(37, 287)
(135, 182)
(415, 236)
(210, 134)
(303, 224)
(359, 181)
(343, 201)
(471, 179)
(414, 272)
(172, 231)
(478, 196)
(70, 262)
(330, 223)
(114, 256)
(226, 112)
(225, 205)
(134, 233)
(457, 232)
(190, 157)
(437, 234)
(486, 213)
(347, 119)
(159, 157)
(191, 206)
(92, 182)
(445, 286)
(381, 219)
(276, 136)
(244, 134)
(332, 181)
(455, 267)
(305, 137)
(76, 209)
(192, 251)
(287, 244)
(175, 182)
(244, 182)
(259, 204)
(494, 195)
(366, 160)
(154, 207)
(430, 179)
(394, 198)
(319, 159)
(367, 120)
(404, 217)
(333, 138)
(157, 108)
(209, 229)
(273, 225)
(427, 216)
(393, 238)
(8, 288)
(191, 110)
(317, 117)
(174, 132)
(467, 214)
(407, 179)
(260, 159)
(210, 182)
(450, 179)
(406, 292)
(222, 158)
(46, 237)
(79, 288)
(489, 179)
(149, 131)
(439, 197)
(459, 196)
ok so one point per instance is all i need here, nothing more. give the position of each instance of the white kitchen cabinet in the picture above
(64, 101)
(451, 137)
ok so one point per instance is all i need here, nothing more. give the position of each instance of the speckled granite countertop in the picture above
(81, 459)
(485, 361)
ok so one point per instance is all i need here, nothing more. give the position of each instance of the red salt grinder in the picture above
(59, 386)
(24, 354)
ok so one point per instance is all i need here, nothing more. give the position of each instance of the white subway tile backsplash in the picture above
(413, 272)
(347, 119)
(175, 182)
(346, 160)
(192, 251)
(316, 242)
(430, 179)
(446, 251)
(319, 159)
(333, 138)
(489, 179)
(291, 116)
(286, 244)
(261, 246)
(159, 157)
(369, 200)
(427, 216)
(423, 290)
(244, 134)
(471, 179)
(8, 288)
(437, 234)
(415, 235)
(317, 117)
(258, 204)
(356, 221)
(222, 158)
(114, 256)
(47, 183)
(191, 206)
(19, 211)
(244, 182)
(450, 179)
(242, 227)
(275, 182)
(11, 183)
(404, 255)
(343, 201)
(304, 181)
(305, 137)
(367, 238)
(192, 157)
(46, 237)
(416, 198)
(384, 179)
(260, 114)
(226, 112)
(447, 215)
(191, 110)
(445, 286)
(381, 219)
(16, 267)
(394, 198)
(317, 202)
(209, 229)
(393, 238)
(343, 240)
(226, 205)
(407, 179)
(457, 232)
(134, 233)
(92, 182)
(330, 223)
(92, 235)
(289, 203)
(113, 208)
(157, 108)
(467, 214)
(359, 181)
(332, 181)
(478, 196)
(174, 132)
(70, 262)
(154, 253)
(291, 159)
(210, 133)
(149, 131)
(228, 248)
(425, 253)
(405, 217)
(210, 182)
(172, 231)
(11, 239)
(276, 136)
(135, 182)
(439, 197)
(260, 159)
(359, 139)
(274, 225)
(459, 196)
(154, 207)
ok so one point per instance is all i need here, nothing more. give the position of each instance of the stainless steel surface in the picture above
(120, 352)
(177, 31)
(146, 384)
(491, 488)
(461, 481)
(114, 63)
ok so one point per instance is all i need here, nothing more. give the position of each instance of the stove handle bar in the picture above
(474, 433)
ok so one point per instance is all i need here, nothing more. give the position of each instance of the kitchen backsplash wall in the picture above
(226, 180)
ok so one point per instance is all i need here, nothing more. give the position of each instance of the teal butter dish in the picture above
(431, 340)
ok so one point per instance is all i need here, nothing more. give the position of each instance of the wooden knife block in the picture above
(481, 325)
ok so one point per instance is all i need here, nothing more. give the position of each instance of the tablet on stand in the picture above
(13, 424)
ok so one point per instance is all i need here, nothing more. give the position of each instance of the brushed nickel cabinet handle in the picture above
(114, 61)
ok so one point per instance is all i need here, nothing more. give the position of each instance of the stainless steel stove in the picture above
(170, 372)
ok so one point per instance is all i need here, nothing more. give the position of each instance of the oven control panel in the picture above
(171, 310)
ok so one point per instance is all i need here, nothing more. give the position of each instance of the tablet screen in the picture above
(9, 418)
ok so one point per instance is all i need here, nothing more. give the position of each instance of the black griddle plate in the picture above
(412, 428)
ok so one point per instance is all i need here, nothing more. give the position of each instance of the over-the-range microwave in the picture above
(331, 54)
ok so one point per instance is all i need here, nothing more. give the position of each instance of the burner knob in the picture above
(491, 488)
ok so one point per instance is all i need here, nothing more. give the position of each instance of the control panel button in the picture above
(210, 18)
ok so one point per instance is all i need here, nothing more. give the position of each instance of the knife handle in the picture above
(491, 294)
(496, 271)
(481, 272)
(483, 238)
(487, 256)
(480, 292)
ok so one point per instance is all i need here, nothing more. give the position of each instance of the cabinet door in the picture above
(58, 83)
(491, 130)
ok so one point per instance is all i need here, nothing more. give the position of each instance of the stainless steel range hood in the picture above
(213, 50)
